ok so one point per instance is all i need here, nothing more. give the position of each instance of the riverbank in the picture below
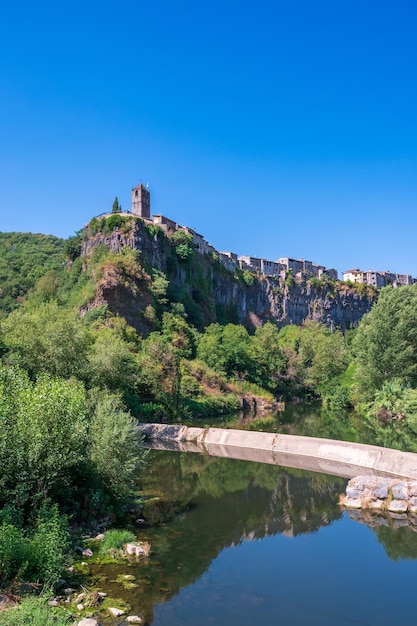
(340, 458)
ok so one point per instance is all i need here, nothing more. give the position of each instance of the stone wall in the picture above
(376, 493)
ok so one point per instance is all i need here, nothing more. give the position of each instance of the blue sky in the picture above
(275, 128)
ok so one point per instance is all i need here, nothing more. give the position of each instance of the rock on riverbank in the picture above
(378, 493)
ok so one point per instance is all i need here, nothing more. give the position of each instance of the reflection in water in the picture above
(309, 419)
(226, 545)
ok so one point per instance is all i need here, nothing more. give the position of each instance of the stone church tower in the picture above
(141, 202)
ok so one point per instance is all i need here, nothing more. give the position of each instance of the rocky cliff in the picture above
(212, 293)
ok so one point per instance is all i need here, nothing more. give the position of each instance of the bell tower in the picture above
(141, 202)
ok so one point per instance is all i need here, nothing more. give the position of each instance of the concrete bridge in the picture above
(339, 458)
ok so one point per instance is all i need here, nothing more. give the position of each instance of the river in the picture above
(249, 543)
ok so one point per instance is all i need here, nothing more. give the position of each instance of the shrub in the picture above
(72, 248)
(183, 243)
(48, 546)
(153, 230)
(116, 447)
(289, 279)
(38, 556)
(338, 397)
(114, 221)
(34, 611)
(44, 426)
(13, 553)
(316, 282)
(96, 225)
(248, 278)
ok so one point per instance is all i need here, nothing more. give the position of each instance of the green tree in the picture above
(183, 244)
(72, 247)
(24, 258)
(268, 358)
(116, 208)
(111, 364)
(161, 372)
(159, 288)
(226, 349)
(179, 334)
(385, 344)
(47, 338)
(323, 356)
(43, 433)
(116, 451)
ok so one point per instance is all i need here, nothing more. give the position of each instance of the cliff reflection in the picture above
(205, 504)
(215, 503)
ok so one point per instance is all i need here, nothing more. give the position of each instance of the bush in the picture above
(115, 540)
(43, 428)
(183, 243)
(13, 553)
(248, 278)
(38, 556)
(212, 405)
(289, 279)
(48, 546)
(34, 611)
(116, 447)
(338, 397)
(114, 221)
(72, 247)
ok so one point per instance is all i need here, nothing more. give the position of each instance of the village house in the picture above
(378, 279)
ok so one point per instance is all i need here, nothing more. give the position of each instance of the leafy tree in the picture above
(248, 278)
(116, 447)
(48, 545)
(111, 363)
(112, 222)
(45, 290)
(72, 247)
(323, 355)
(159, 287)
(44, 428)
(161, 372)
(269, 360)
(46, 339)
(179, 334)
(36, 553)
(392, 416)
(226, 349)
(385, 344)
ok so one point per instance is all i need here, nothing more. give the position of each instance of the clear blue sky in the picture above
(274, 128)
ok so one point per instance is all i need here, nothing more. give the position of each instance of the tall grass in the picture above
(34, 611)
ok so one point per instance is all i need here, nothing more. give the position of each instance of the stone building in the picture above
(141, 202)
(307, 269)
(165, 223)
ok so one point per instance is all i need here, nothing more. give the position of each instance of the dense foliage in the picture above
(24, 259)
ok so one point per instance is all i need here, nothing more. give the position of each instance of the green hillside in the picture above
(24, 258)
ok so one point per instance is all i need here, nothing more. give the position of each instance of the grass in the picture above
(115, 540)
(35, 611)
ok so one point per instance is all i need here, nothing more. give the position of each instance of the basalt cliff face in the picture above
(212, 293)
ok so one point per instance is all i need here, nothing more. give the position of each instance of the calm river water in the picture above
(248, 544)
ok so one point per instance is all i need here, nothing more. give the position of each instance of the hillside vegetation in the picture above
(24, 259)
